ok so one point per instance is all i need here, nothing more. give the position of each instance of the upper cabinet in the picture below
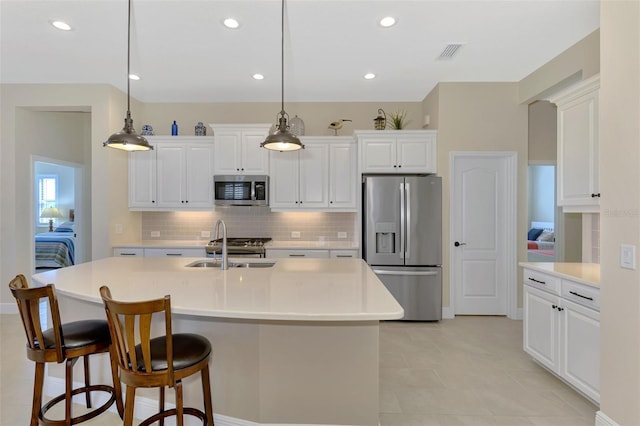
(397, 151)
(237, 149)
(321, 177)
(176, 175)
(578, 151)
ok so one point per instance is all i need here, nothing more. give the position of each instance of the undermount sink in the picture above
(216, 264)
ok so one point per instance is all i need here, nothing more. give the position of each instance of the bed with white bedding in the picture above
(541, 242)
(56, 249)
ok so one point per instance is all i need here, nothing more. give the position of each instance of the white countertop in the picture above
(586, 273)
(293, 289)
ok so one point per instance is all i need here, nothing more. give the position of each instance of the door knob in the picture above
(458, 244)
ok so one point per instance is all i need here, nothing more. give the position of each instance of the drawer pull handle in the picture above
(174, 254)
(127, 254)
(579, 295)
(297, 255)
(344, 255)
(537, 281)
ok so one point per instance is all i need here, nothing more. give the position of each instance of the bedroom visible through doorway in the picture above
(541, 235)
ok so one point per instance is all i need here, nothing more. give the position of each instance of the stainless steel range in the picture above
(238, 247)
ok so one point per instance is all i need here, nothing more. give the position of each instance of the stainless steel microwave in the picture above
(241, 190)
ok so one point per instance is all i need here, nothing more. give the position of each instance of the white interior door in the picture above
(482, 229)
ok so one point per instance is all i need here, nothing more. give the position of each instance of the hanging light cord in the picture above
(128, 59)
(282, 56)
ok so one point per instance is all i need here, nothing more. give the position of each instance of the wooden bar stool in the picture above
(62, 342)
(156, 362)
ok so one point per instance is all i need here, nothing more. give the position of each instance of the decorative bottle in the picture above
(174, 129)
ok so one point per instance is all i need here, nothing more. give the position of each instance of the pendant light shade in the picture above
(282, 139)
(127, 139)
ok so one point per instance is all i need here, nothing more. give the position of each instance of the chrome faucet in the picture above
(224, 265)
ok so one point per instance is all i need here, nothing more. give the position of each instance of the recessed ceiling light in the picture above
(231, 23)
(388, 21)
(258, 77)
(134, 77)
(61, 25)
(370, 76)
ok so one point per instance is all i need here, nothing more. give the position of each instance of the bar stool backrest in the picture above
(29, 304)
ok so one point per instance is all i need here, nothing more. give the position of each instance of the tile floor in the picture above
(465, 371)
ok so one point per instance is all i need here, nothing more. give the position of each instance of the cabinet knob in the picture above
(595, 195)
(394, 166)
(554, 306)
(399, 165)
(330, 202)
(153, 201)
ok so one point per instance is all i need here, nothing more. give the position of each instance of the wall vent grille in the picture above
(450, 50)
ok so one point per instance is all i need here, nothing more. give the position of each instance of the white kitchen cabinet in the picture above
(321, 177)
(273, 253)
(397, 151)
(237, 149)
(578, 185)
(561, 333)
(176, 175)
(174, 252)
(128, 252)
(339, 254)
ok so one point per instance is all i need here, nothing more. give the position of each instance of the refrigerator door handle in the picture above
(403, 224)
(407, 189)
(421, 273)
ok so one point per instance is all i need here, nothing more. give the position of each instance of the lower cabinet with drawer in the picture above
(296, 253)
(159, 252)
(563, 333)
(128, 252)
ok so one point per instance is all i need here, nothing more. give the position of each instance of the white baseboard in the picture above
(8, 308)
(447, 313)
(603, 420)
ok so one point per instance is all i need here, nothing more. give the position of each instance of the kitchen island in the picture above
(295, 343)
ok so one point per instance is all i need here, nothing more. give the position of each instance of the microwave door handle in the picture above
(402, 222)
(253, 190)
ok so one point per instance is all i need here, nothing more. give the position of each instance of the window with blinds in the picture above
(47, 195)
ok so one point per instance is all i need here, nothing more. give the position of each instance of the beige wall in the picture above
(107, 194)
(620, 209)
(542, 133)
(478, 117)
(316, 115)
(580, 61)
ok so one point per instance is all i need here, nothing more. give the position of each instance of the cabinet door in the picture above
(296, 253)
(578, 152)
(128, 252)
(580, 364)
(174, 252)
(226, 159)
(416, 154)
(171, 171)
(314, 179)
(199, 176)
(541, 327)
(338, 254)
(255, 160)
(342, 176)
(283, 184)
(142, 179)
(379, 155)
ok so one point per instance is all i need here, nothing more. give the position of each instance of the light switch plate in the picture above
(342, 235)
(627, 256)
(155, 233)
(118, 228)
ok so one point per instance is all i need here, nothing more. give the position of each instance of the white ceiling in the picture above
(184, 54)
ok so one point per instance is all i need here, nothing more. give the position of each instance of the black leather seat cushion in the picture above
(80, 333)
(188, 349)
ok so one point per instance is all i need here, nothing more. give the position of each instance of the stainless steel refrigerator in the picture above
(402, 239)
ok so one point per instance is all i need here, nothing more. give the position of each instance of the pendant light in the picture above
(127, 139)
(282, 139)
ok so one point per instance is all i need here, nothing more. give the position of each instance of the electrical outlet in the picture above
(627, 256)
(118, 228)
(295, 234)
(205, 234)
(155, 233)
(342, 235)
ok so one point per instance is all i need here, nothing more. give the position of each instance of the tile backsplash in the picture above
(251, 222)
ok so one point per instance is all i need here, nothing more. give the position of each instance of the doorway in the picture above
(58, 241)
(484, 233)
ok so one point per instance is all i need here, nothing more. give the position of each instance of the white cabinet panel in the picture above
(541, 328)
(342, 176)
(174, 252)
(128, 252)
(397, 151)
(296, 253)
(578, 148)
(176, 175)
(314, 181)
(237, 149)
(338, 254)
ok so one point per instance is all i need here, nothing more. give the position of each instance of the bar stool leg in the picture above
(179, 403)
(117, 386)
(206, 392)
(38, 385)
(68, 387)
(128, 406)
(87, 394)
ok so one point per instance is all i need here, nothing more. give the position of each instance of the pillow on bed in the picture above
(534, 233)
(65, 227)
(546, 236)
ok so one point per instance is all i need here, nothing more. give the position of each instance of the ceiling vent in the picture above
(450, 50)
